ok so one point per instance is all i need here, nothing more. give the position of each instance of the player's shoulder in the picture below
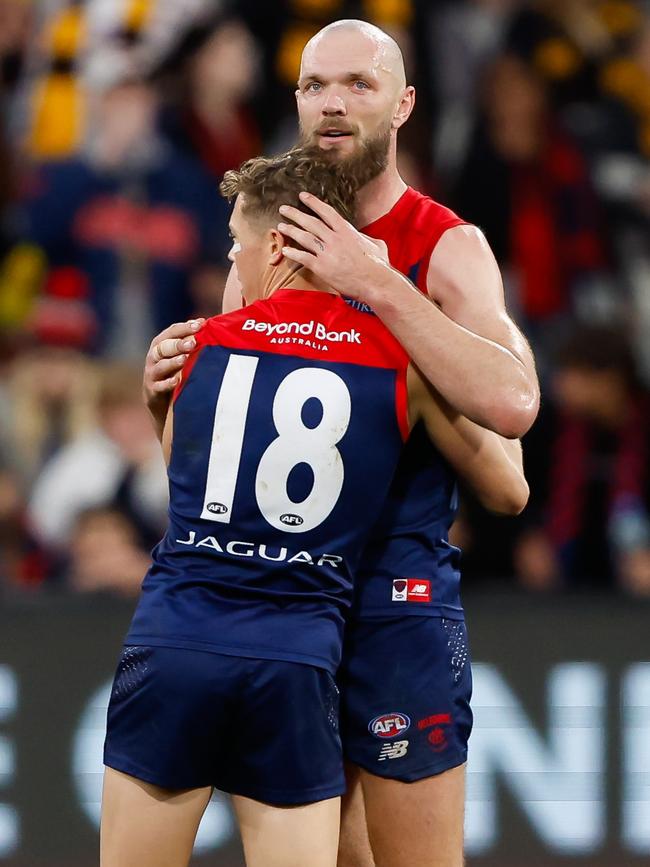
(420, 223)
(432, 223)
(428, 214)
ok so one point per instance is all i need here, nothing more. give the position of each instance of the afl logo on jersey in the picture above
(389, 725)
(217, 508)
(291, 520)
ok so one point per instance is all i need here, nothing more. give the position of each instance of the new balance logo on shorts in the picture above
(411, 590)
(393, 751)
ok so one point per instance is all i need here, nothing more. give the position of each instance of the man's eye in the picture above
(361, 85)
(312, 86)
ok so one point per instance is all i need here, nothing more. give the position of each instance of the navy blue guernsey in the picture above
(287, 429)
(409, 566)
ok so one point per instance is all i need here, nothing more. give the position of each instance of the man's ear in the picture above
(404, 107)
(276, 243)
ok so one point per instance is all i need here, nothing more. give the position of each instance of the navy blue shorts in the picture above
(405, 685)
(265, 729)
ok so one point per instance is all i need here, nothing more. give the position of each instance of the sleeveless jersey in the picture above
(288, 426)
(409, 566)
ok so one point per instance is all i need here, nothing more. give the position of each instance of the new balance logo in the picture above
(393, 751)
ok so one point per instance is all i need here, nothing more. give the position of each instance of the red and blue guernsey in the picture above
(409, 566)
(288, 426)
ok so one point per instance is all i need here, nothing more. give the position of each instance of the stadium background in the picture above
(117, 118)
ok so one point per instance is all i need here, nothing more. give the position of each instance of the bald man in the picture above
(432, 279)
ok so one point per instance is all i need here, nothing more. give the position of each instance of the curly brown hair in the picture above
(268, 182)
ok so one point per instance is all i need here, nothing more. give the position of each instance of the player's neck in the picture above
(287, 276)
(379, 195)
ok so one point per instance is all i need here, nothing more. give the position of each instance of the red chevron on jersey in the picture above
(310, 325)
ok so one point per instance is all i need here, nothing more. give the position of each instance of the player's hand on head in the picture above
(334, 250)
(166, 356)
(381, 247)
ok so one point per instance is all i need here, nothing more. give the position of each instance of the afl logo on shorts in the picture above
(291, 520)
(217, 508)
(389, 725)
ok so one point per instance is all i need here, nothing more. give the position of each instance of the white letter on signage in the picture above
(8, 815)
(558, 780)
(636, 758)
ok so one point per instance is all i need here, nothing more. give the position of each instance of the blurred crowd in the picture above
(117, 120)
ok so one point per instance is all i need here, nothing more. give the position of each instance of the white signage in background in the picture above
(558, 779)
(555, 771)
(9, 824)
(635, 721)
(217, 825)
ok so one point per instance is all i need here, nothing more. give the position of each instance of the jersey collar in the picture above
(401, 207)
(307, 296)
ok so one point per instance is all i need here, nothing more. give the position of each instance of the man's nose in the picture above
(334, 104)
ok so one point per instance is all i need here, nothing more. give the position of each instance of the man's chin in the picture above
(344, 145)
(363, 159)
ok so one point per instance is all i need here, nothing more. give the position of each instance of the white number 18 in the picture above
(295, 444)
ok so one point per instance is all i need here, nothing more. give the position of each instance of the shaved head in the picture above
(386, 52)
(352, 96)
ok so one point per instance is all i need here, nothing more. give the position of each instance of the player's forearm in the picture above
(517, 486)
(494, 472)
(480, 378)
(514, 453)
(499, 475)
(158, 406)
(491, 465)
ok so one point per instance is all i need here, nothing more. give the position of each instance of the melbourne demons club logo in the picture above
(437, 736)
(411, 590)
(389, 725)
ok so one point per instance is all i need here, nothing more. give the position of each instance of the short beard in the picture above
(366, 163)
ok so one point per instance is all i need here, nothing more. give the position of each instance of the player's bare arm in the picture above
(491, 465)
(168, 433)
(465, 343)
